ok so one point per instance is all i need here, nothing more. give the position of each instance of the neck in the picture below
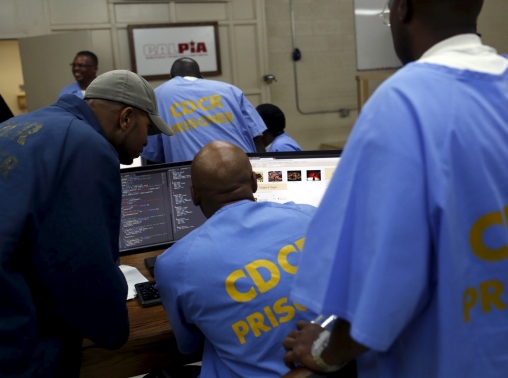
(209, 209)
(424, 37)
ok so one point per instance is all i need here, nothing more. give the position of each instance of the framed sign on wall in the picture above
(154, 47)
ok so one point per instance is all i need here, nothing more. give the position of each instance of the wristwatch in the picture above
(317, 348)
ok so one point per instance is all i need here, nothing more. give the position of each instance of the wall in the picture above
(324, 33)
(10, 74)
(326, 73)
(241, 31)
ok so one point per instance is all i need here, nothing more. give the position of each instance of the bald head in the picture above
(221, 174)
(417, 25)
(185, 67)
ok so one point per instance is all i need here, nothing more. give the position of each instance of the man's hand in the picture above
(298, 345)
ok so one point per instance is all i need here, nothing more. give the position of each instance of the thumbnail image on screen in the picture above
(294, 178)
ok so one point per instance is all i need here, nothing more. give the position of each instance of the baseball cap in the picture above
(128, 88)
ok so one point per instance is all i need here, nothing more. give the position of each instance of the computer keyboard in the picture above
(148, 294)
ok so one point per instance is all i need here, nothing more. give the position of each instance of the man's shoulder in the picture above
(69, 89)
(272, 210)
(300, 207)
(420, 77)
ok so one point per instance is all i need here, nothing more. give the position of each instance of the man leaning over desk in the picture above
(60, 197)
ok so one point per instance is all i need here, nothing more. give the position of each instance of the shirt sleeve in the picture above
(367, 253)
(154, 150)
(170, 276)
(253, 120)
(77, 244)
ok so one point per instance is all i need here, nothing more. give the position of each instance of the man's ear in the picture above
(404, 10)
(126, 120)
(254, 182)
(195, 196)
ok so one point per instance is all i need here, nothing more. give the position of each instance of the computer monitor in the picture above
(157, 208)
(300, 177)
(5, 111)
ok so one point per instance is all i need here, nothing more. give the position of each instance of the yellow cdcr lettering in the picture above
(241, 329)
(490, 293)
(270, 316)
(469, 300)
(299, 243)
(256, 322)
(476, 237)
(173, 111)
(262, 285)
(282, 259)
(233, 292)
(215, 101)
(200, 104)
(280, 309)
(188, 107)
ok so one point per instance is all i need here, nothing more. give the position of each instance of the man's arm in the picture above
(258, 141)
(252, 120)
(78, 243)
(340, 350)
(154, 150)
(171, 285)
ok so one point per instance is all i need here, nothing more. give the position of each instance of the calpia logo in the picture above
(170, 50)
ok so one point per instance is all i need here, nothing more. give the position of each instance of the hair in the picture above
(273, 118)
(91, 55)
(185, 67)
(446, 13)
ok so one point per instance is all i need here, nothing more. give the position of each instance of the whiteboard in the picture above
(374, 46)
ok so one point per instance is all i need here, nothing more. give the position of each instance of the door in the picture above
(45, 64)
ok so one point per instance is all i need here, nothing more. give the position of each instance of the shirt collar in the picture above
(466, 52)
(80, 109)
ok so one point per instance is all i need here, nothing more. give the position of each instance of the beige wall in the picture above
(10, 74)
(241, 31)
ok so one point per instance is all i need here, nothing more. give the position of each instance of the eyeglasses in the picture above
(80, 65)
(385, 14)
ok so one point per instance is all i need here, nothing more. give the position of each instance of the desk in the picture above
(151, 343)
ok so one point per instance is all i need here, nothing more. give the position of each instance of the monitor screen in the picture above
(157, 208)
(5, 112)
(300, 178)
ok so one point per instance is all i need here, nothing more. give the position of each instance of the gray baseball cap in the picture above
(128, 88)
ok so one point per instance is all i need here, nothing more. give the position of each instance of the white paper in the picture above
(133, 276)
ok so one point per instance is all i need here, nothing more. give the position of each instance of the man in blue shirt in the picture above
(274, 137)
(409, 247)
(200, 111)
(60, 197)
(84, 69)
(226, 284)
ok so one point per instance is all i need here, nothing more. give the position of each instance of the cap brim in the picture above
(160, 124)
